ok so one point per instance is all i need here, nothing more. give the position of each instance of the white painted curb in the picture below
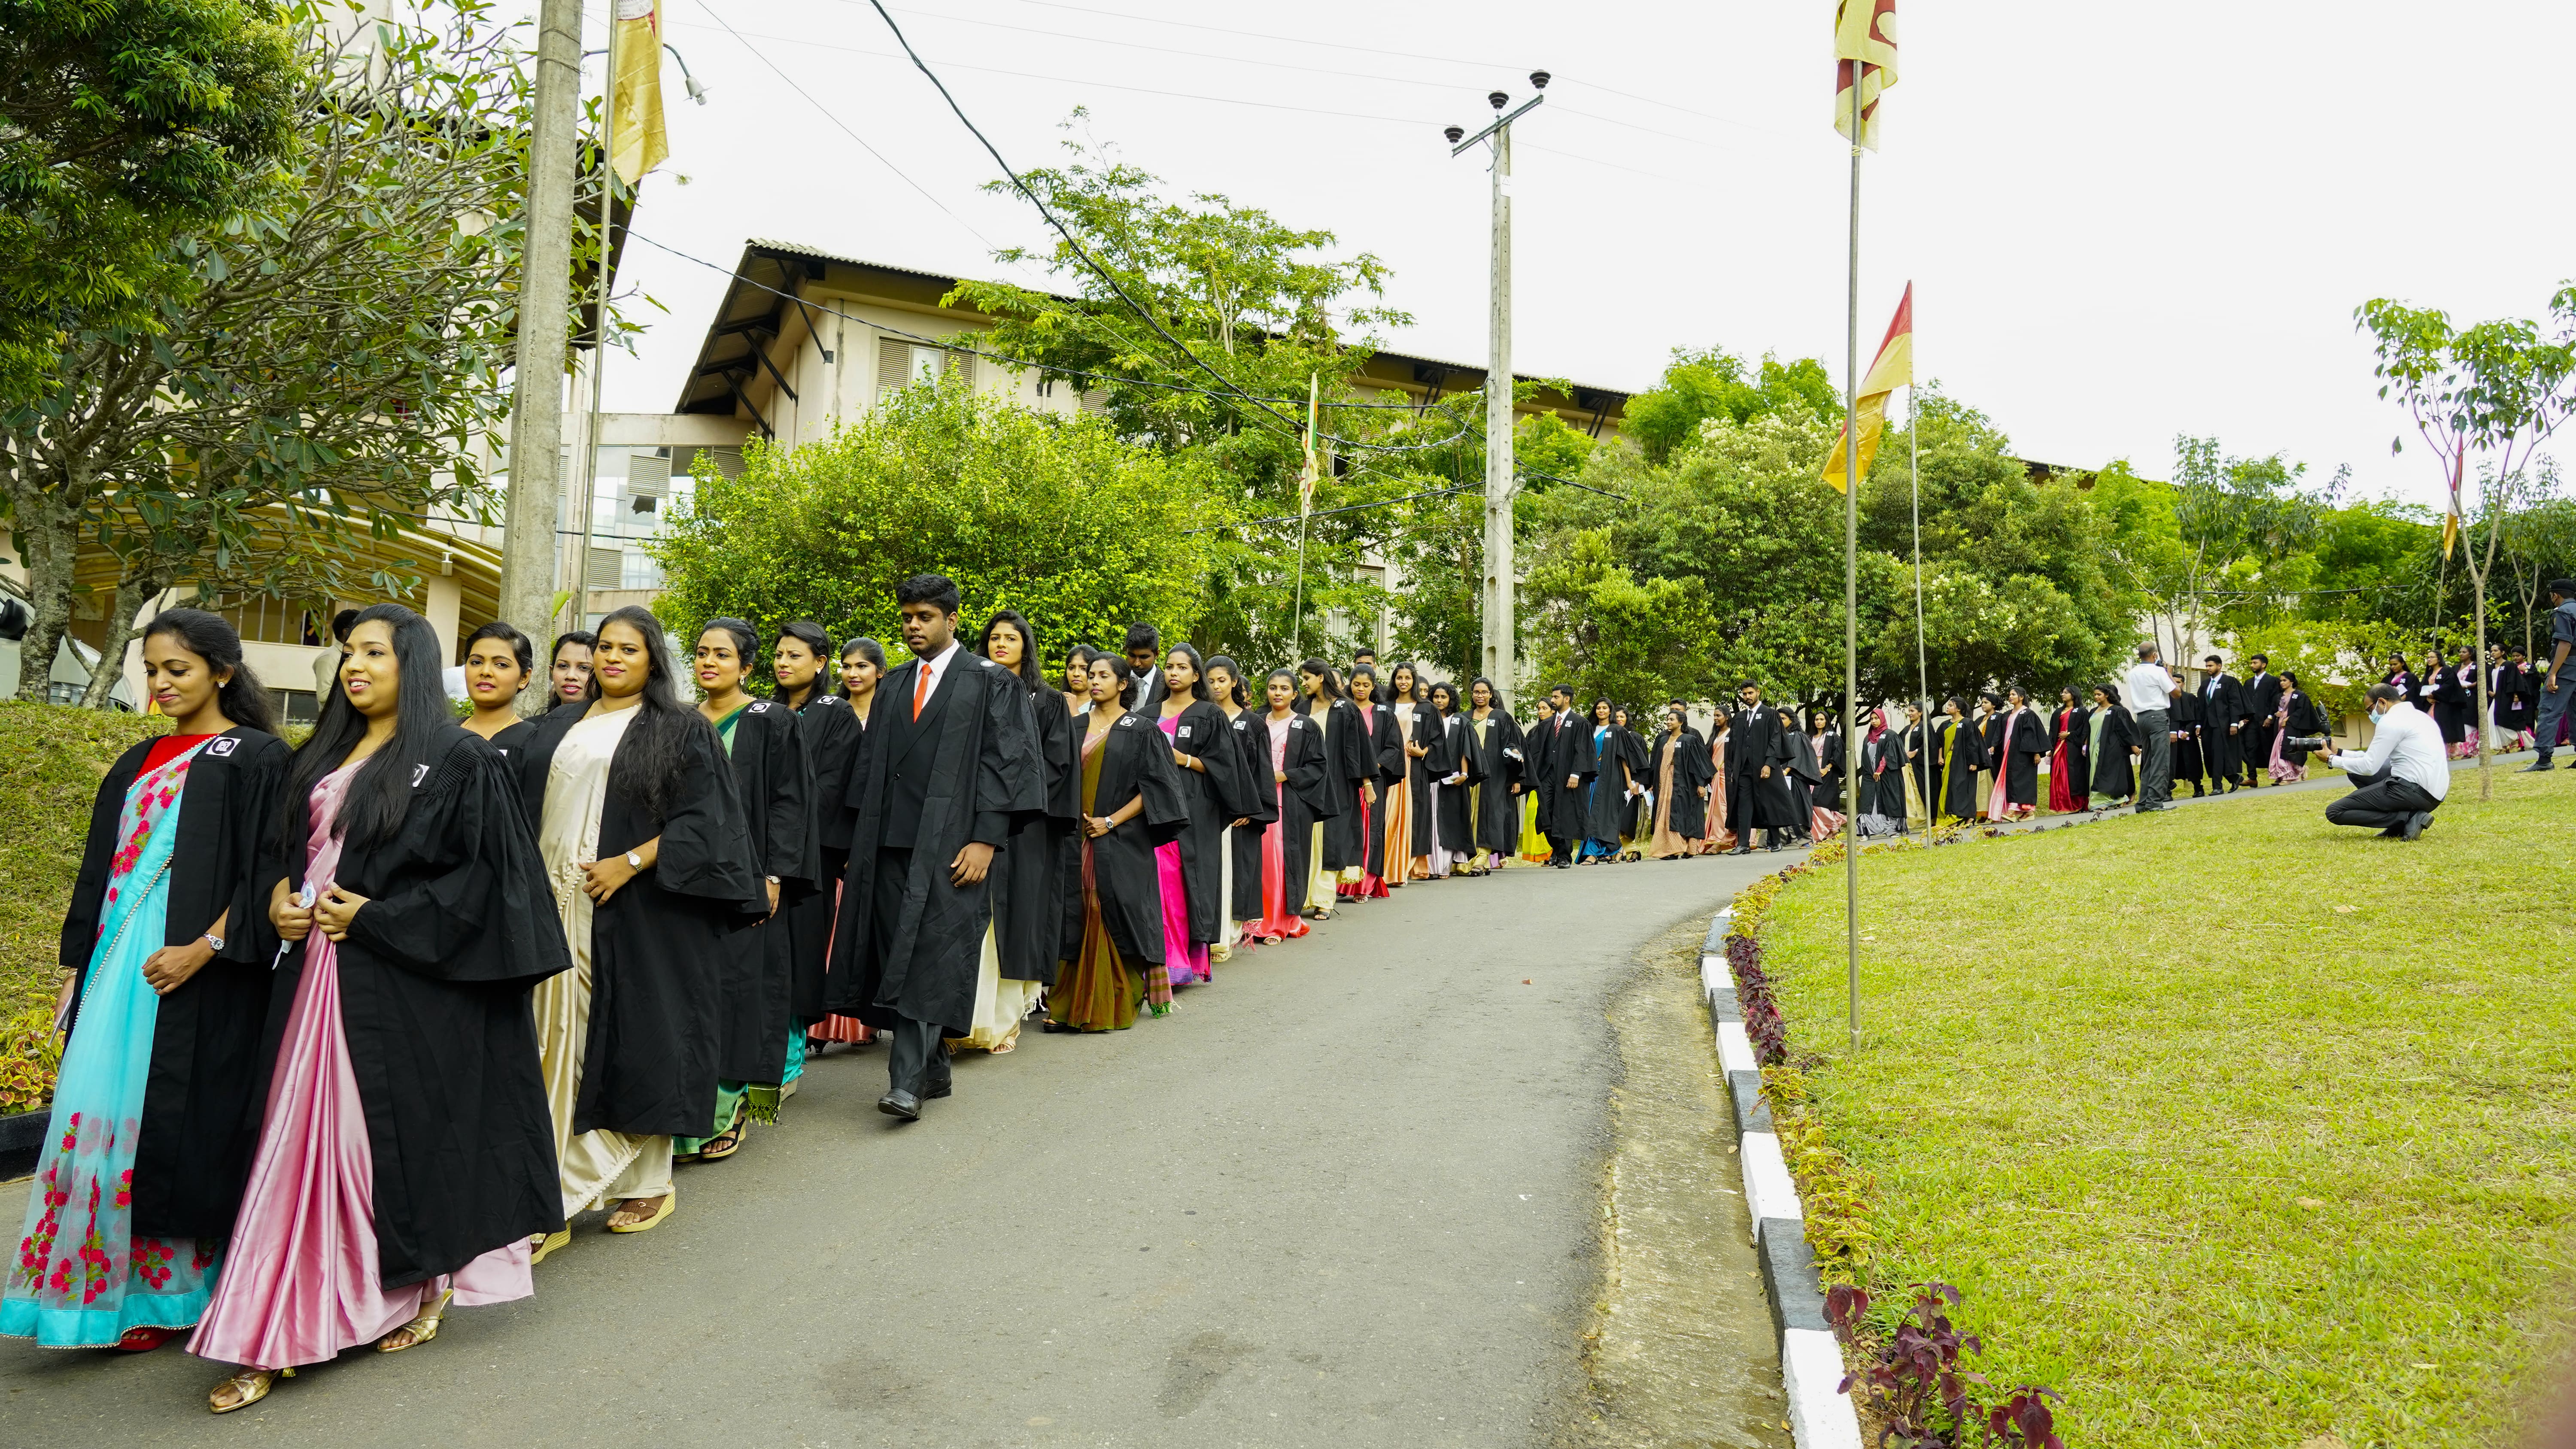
(1767, 1185)
(1811, 1369)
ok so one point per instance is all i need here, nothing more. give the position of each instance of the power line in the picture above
(1172, 50)
(1258, 35)
(845, 130)
(1284, 424)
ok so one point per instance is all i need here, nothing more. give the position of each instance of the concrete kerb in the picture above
(1811, 1362)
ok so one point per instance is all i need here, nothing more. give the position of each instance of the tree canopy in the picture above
(1058, 518)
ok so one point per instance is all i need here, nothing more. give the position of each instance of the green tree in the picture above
(1612, 636)
(1712, 383)
(120, 121)
(326, 362)
(1060, 519)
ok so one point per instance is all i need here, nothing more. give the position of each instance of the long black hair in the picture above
(1407, 694)
(1491, 693)
(655, 747)
(1082, 654)
(1027, 669)
(818, 644)
(1451, 690)
(1198, 667)
(866, 648)
(380, 796)
(1331, 690)
(1234, 672)
(241, 697)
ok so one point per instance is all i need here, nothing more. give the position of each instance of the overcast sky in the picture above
(2122, 223)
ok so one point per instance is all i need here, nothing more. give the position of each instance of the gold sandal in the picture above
(670, 1200)
(548, 1242)
(253, 1385)
(422, 1329)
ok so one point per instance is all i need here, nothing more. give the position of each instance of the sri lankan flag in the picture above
(1891, 369)
(1865, 63)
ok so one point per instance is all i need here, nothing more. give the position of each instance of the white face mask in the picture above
(2377, 714)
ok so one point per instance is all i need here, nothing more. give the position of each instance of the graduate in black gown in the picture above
(828, 729)
(499, 665)
(1757, 772)
(1605, 795)
(1215, 788)
(767, 752)
(1033, 897)
(1915, 743)
(2183, 723)
(951, 769)
(2298, 717)
(2114, 736)
(2455, 705)
(1632, 756)
(2262, 717)
(1409, 760)
(1560, 763)
(1494, 739)
(862, 666)
(2022, 738)
(406, 988)
(1958, 753)
(190, 1001)
(1350, 761)
(2222, 725)
(1456, 835)
(1878, 785)
(646, 812)
(1132, 807)
(1367, 881)
(1242, 813)
(1678, 770)
(1291, 768)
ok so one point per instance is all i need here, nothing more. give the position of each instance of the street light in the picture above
(1500, 641)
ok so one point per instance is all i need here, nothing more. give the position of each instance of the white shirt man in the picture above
(2403, 776)
(2146, 687)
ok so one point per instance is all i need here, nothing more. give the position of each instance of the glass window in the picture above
(641, 571)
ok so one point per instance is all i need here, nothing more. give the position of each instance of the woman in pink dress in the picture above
(405, 1156)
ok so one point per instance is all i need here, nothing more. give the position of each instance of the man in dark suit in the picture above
(1561, 763)
(2183, 727)
(2262, 702)
(2222, 725)
(1145, 661)
(1757, 772)
(952, 767)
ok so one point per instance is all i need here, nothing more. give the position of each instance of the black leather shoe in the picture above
(2535, 767)
(900, 1104)
(2416, 822)
(939, 1088)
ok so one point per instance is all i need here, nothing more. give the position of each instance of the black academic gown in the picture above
(1419, 771)
(1756, 738)
(1686, 814)
(1350, 757)
(776, 786)
(658, 946)
(1498, 767)
(2455, 707)
(1135, 762)
(2306, 721)
(1605, 811)
(2262, 703)
(1036, 902)
(2076, 767)
(1959, 753)
(2113, 776)
(2024, 739)
(1252, 749)
(2222, 705)
(1457, 832)
(1806, 778)
(1917, 743)
(1204, 734)
(204, 1089)
(967, 771)
(2182, 717)
(829, 731)
(1361, 816)
(1570, 757)
(460, 922)
(1879, 784)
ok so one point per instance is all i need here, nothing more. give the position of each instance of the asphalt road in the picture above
(1350, 1195)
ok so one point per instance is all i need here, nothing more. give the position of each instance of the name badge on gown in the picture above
(224, 745)
(1126, 720)
(1184, 732)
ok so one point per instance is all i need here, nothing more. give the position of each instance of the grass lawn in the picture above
(2235, 1128)
(51, 760)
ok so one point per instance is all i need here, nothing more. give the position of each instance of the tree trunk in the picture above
(48, 540)
(2478, 592)
(131, 593)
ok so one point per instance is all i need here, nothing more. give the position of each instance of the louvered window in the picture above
(607, 568)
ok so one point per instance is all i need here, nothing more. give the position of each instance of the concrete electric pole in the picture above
(528, 546)
(1498, 660)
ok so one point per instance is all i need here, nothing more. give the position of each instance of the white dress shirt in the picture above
(2147, 687)
(937, 667)
(2408, 745)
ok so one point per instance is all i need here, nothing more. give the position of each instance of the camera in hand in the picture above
(2307, 742)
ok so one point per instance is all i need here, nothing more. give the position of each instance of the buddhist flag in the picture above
(1892, 369)
(1865, 54)
(1308, 476)
(2451, 517)
(636, 110)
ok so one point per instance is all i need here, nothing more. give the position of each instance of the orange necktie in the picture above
(920, 688)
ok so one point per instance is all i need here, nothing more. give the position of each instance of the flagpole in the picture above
(1914, 473)
(1851, 575)
(1305, 505)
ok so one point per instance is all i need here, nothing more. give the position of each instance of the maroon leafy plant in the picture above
(1763, 1024)
(1919, 1386)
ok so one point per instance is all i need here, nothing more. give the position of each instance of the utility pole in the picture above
(528, 546)
(1498, 660)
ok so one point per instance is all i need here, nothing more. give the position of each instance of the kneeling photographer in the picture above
(2402, 778)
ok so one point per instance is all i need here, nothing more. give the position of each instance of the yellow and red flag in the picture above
(1891, 369)
(635, 90)
(1865, 56)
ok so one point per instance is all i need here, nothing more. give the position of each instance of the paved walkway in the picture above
(1349, 1196)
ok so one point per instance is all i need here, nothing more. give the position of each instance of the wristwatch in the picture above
(773, 880)
(634, 861)
(215, 941)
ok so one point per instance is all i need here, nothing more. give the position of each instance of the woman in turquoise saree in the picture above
(163, 995)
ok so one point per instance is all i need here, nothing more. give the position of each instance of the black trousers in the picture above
(917, 1056)
(2381, 803)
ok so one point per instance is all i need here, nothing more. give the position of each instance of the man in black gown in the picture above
(1145, 660)
(953, 766)
(2222, 725)
(1561, 760)
(1757, 772)
(2184, 726)
(2262, 702)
